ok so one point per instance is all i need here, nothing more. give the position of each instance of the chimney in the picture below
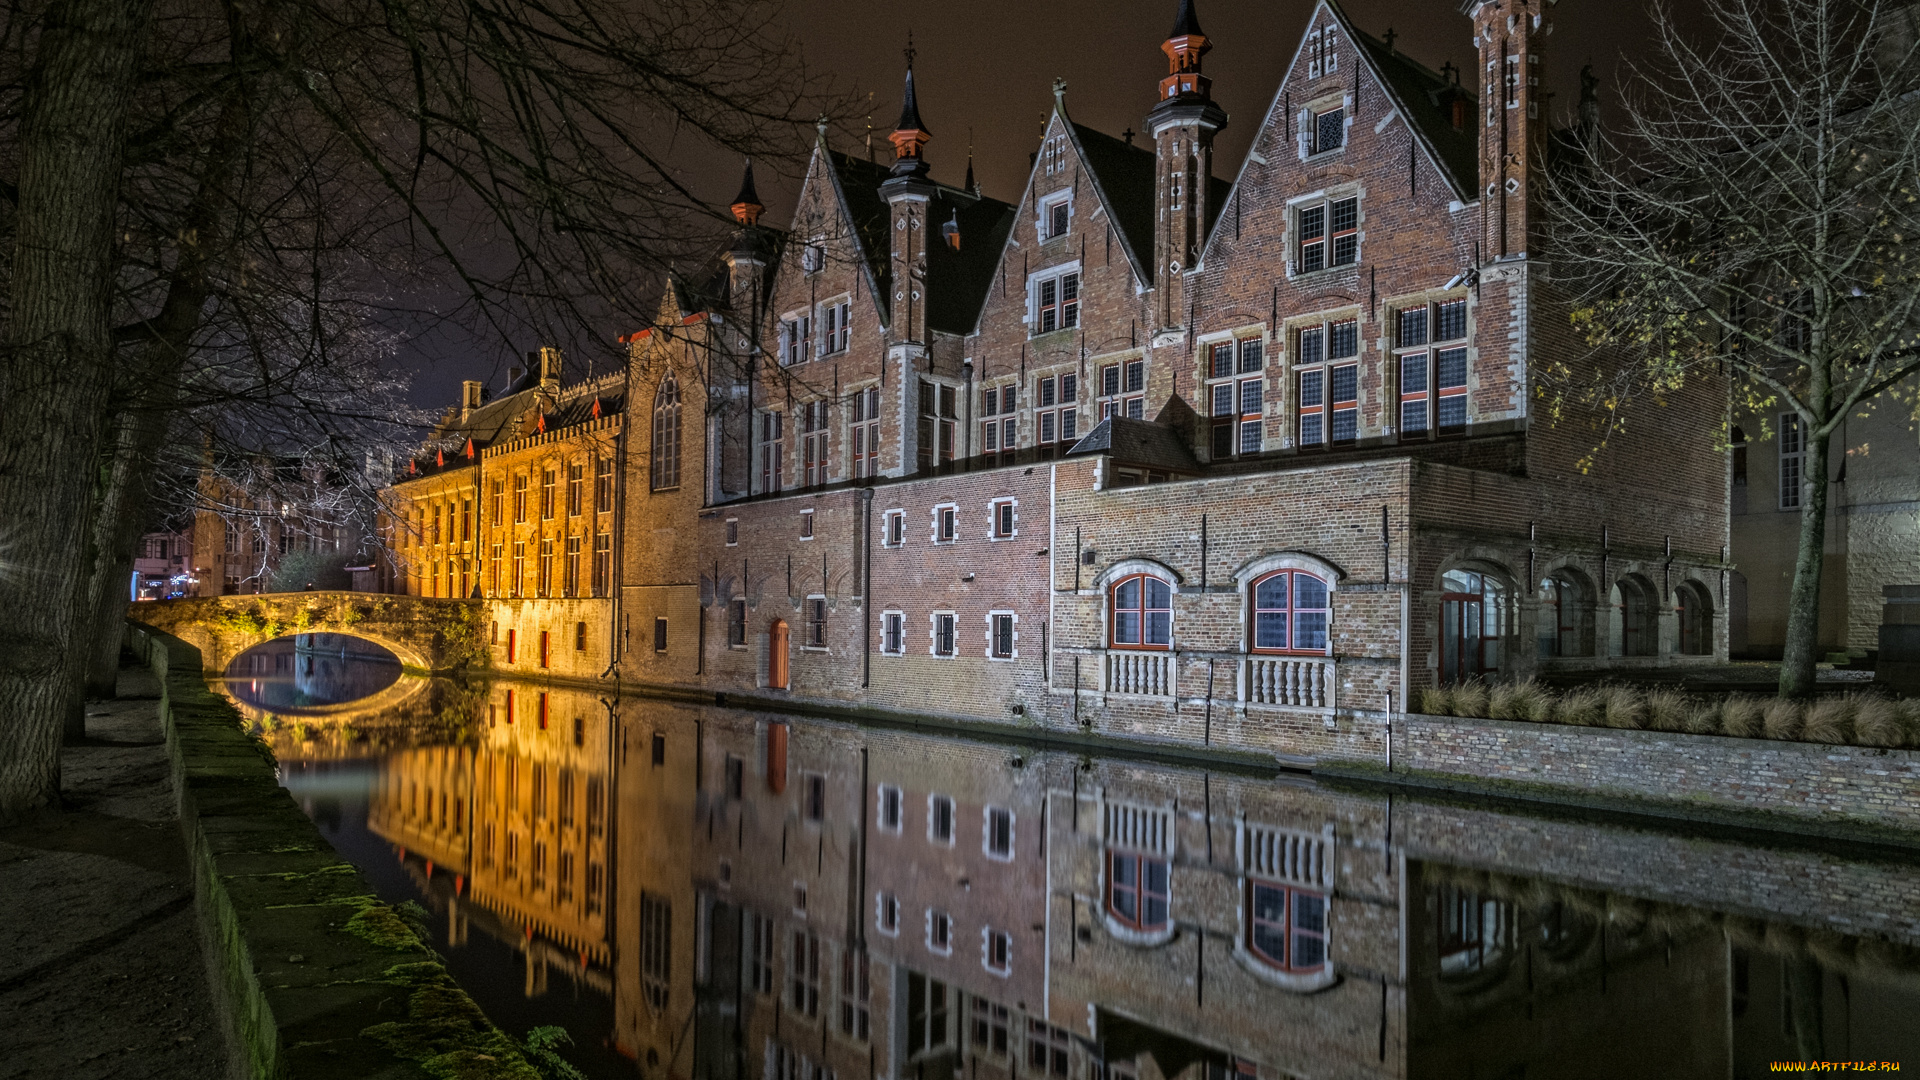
(469, 397)
(549, 368)
(513, 375)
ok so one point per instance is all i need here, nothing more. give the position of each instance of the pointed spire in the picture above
(911, 135)
(970, 184)
(746, 205)
(1186, 22)
(440, 457)
(469, 451)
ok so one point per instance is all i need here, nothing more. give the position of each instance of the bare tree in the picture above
(247, 165)
(1752, 211)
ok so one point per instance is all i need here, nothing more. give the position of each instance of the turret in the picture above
(1513, 138)
(1182, 125)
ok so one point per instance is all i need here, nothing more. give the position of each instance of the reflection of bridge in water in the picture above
(313, 672)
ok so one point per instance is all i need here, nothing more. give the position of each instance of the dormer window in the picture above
(1055, 217)
(1057, 303)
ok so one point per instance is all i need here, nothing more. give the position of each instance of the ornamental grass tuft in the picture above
(1667, 711)
(1621, 707)
(1828, 720)
(1470, 698)
(1582, 706)
(1876, 722)
(1741, 716)
(1780, 719)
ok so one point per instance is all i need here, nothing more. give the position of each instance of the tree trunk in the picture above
(57, 371)
(117, 530)
(1803, 598)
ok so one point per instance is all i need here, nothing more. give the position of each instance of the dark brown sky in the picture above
(989, 66)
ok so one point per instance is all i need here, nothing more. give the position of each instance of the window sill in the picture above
(1004, 659)
(1133, 935)
(1036, 335)
(1303, 275)
(1304, 982)
(816, 648)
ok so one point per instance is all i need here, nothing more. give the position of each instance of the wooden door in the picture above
(777, 656)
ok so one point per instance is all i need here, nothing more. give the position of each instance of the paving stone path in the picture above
(101, 969)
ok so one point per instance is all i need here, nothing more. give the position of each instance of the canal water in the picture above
(718, 894)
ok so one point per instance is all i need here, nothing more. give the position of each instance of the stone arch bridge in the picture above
(427, 635)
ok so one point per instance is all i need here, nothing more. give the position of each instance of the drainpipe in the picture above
(865, 550)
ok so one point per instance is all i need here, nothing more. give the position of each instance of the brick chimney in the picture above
(469, 397)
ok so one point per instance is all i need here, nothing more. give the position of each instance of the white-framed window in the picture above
(816, 623)
(939, 932)
(940, 819)
(1002, 635)
(863, 437)
(1326, 361)
(893, 632)
(733, 532)
(1122, 389)
(996, 833)
(773, 446)
(796, 338)
(996, 951)
(1056, 216)
(939, 418)
(1056, 301)
(890, 809)
(1793, 457)
(886, 914)
(946, 523)
(1430, 356)
(806, 524)
(999, 429)
(834, 318)
(1056, 416)
(1328, 233)
(940, 630)
(1003, 519)
(893, 528)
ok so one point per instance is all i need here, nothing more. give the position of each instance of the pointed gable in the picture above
(1425, 99)
(856, 185)
(1123, 178)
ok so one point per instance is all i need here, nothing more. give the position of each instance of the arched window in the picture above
(1287, 927)
(1694, 609)
(1142, 613)
(1473, 625)
(666, 435)
(1290, 613)
(1565, 626)
(1476, 933)
(1635, 631)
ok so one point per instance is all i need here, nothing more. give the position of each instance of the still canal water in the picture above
(713, 894)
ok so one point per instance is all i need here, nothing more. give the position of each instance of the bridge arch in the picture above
(427, 635)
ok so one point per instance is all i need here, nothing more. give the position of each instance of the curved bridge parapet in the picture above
(428, 635)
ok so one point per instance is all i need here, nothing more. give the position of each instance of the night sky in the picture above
(985, 68)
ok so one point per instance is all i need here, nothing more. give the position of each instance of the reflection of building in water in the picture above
(866, 903)
(307, 671)
(540, 815)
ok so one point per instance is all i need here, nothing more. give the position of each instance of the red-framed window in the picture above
(1291, 613)
(1137, 889)
(1142, 613)
(1329, 389)
(1057, 303)
(1287, 927)
(1473, 625)
(999, 431)
(1121, 389)
(1329, 234)
(773, 462)
(1236, 405)
(813, 424)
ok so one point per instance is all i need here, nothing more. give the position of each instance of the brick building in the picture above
(1152, 453)
(1158, 454)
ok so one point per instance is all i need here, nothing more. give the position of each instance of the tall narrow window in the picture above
(737, 622)
(1793, 456)
(998, 841)
(603, 564)
(520, 498)
(940, 819)
(666, 435)
(570, 579)
(656, 948)
(891, 813)
(893, 633)
(760, 953)
(938, 415)
(1142, 613)
(772, 452)
(798, 335)
(943, 636)
(603, 485)
(546, 566)
(817, 622)
(1000, 635)
(837, 317)
(519, 568)
(855, 993)
(576, 491)
(813, 424)
(865, 432)
(547, 478)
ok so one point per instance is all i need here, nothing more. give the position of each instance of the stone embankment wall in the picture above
(1845, 792)
(313, 976)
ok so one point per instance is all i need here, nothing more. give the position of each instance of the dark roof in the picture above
(910, 107)
(958, 281)
(1138, 442)
(747, 194)
(1186, 22)
(1124, 176)
(860, 181)
(1426, 100)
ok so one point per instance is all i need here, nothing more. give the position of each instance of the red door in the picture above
(777, 656)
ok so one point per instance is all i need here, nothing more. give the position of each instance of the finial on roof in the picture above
(1452, 73)
(971, 185)
(1186, 22)
(1390, 35)
(1127, 136)
(911, 135)
(820, 125)
(1060, 94)
(746, 205)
